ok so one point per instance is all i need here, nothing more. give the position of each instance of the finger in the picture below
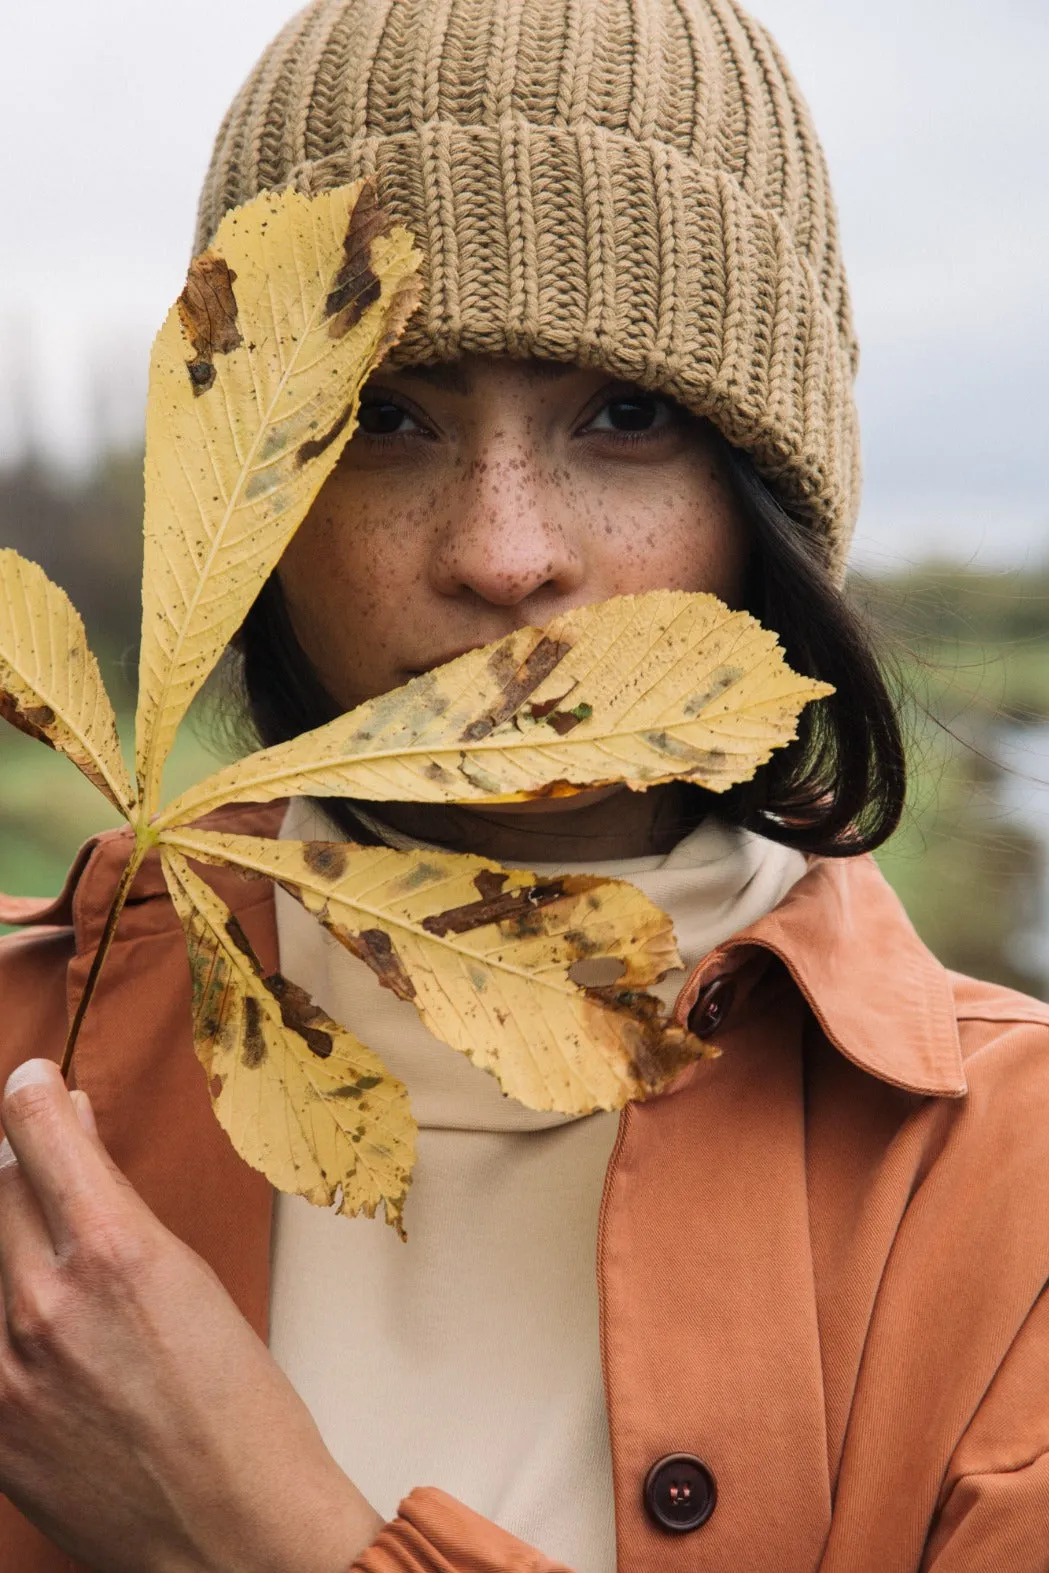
(61, 1159)
(25, 1240)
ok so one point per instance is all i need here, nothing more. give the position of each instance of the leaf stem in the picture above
(127, 879)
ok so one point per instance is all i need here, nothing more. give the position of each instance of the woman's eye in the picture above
(639, 412)
(380, 418)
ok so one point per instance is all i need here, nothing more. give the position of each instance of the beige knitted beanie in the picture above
(632, 184)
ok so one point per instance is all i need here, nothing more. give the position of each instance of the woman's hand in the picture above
(143, 1426)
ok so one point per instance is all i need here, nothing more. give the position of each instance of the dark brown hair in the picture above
(837, 790)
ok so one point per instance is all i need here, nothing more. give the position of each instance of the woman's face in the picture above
(490, 494)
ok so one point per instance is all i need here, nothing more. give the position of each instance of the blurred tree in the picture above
(86, 532)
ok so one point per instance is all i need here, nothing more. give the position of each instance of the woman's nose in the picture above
(507, 536)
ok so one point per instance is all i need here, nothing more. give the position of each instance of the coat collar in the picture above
(880, 996)
(83, 901)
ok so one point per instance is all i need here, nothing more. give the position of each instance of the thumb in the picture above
(84, 1112)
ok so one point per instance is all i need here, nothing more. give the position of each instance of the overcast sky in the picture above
(934, 114)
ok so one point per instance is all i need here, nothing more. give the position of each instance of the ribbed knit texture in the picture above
(632, 184)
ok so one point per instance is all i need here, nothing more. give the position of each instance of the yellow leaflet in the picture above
(641, 689)
(254, 386)
(50, 684)
(536, 980)
(299, 1097)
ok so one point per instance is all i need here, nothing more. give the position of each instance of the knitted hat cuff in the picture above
(631, 184)
(577, 244)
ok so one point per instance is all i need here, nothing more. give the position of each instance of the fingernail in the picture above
(84, 1112)
(31, 1073)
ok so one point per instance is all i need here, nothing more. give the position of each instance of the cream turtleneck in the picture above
(468, 1358)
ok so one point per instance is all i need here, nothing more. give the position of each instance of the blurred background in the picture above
(936, 124)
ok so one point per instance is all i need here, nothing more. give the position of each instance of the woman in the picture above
(816, 1337)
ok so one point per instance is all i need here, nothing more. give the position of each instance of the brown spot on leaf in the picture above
(664, 1049)
(215, 1086)
(207, 309)
(374, 948)
(514, 906)
(660, 1048)
(579, 939)
(33, 721)
(489, 883)
(356, 286)
(562, 721)
(316, 445)
(301, 1015)
(540, 712)
(517, 684)
(242, 942)
(297, 1011)
(326, 858)
(253, 1051)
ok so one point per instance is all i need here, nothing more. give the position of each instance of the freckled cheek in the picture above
(352, 585)
(655, 549)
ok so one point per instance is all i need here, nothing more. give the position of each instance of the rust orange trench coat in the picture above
(821, 1256)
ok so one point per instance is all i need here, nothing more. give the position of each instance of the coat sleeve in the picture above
(994, 1508)
(433, 1533)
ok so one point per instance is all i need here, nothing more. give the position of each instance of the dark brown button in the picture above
(712, 1006)
(680, 1493)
